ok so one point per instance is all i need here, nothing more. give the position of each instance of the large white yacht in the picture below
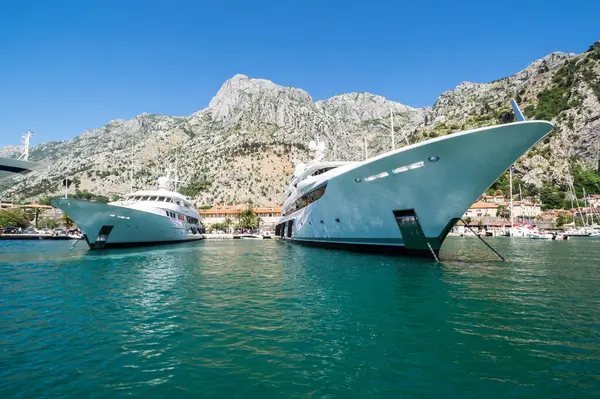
(142, 218)
(405, 200)
(10, 167)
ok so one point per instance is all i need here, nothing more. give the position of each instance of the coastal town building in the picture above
(594, 201)
(489, 209)
(218, 214)
(482, 209)
(525, 209)
(497, 199)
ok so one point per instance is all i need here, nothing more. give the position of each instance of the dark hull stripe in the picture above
(368, 248)
(110, 245)
(32, 237)
(13, 169)
(368, 241)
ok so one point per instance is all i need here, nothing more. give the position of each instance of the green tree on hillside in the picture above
(195, 187)
(563, 218)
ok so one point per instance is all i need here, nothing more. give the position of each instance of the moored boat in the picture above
(405, 200)
(142, 218)
(541, 236)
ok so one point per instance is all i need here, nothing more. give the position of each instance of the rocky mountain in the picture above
(243, 145)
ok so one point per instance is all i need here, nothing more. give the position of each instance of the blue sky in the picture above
(68, 66)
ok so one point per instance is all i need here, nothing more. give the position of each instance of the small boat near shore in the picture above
(541, 236)
(249, 236)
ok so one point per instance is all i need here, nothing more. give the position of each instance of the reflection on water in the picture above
(270, 319)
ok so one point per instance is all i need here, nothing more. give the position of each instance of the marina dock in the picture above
(37, 237)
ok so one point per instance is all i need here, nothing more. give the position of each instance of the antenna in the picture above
(25, 140)
(319, 148)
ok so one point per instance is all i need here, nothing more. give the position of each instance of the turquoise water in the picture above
(263, 319)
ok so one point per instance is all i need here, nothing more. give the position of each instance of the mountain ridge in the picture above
(243, 143)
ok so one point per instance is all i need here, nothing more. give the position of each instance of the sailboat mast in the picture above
(131, 169)
(393, 138)
(511, 199)
(587, 214)
(577, 201)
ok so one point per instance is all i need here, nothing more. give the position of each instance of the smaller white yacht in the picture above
(142, 218)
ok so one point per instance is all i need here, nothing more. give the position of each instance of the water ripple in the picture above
(268, 319)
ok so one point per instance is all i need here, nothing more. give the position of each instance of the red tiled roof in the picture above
(483, 205)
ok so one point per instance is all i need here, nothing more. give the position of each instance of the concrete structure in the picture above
(218, 214)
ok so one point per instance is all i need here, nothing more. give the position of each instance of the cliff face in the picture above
(243, 145)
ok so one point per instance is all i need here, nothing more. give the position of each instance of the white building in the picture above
(482, 209)
(525, 209)
(594, 200)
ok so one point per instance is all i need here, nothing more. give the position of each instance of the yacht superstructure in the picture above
(142, 218)
(10, 167)
(405, 200)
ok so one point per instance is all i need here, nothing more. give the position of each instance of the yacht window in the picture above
(178, 203)
(152, 199)
(308, 198)
(173, 215)
(321, 171)
(144, 199)
(167, 212)
(161, 199)
(169, 200)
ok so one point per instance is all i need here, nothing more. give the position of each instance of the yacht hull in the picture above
(408, 200)
(108, 226)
